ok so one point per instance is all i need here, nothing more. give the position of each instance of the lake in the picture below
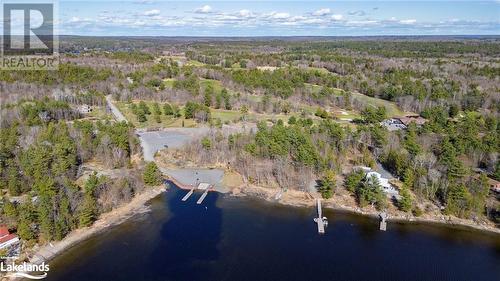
(229, 238)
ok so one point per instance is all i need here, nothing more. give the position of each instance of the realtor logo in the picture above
(28, 39)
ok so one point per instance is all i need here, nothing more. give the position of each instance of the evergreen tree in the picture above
(13, 179)
(370, 192)
(46, 217)
(327, 185)
(167, 109)
(156, 108)
(88, 213)
(218, 100)
(27, 216)
(227, 99)
(411, 143)
(152, 175)
(209, 92)
(141, 116)
(353, 179)
(64, 221)
(458, 200)
(9, 209)
(405, 203)
(144, 107)
(206, 143)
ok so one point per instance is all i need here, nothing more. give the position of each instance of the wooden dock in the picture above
(202, 197)
(187, 195)
(383, 222)
(320, 212)
(320, 221)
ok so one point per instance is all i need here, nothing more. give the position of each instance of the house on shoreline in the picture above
(387, 187)
(6, 238)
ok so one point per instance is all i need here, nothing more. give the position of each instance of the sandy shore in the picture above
(107, 220)
(303, 199)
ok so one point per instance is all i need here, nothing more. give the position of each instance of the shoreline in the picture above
(137, 205)
(107, 220)
(293, 201)
(297, 198)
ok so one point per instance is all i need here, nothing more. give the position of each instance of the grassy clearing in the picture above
(232, 180)
(98, 112)
(169, 82)
(166, 121)
(235, 116)
(225, 115)
(392, 108)
(317, 88)
(194, 63)
(216, 85)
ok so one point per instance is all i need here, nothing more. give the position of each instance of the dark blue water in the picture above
(245, 239)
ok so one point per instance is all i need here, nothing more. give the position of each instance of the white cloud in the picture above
(322, 12)
(77, 20)
(245, 13)
(152, 13)
(337, 17)
(152, 20)
(410, 21)
(204, 9)
(278, 16)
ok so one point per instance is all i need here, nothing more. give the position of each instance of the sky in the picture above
(277, 18)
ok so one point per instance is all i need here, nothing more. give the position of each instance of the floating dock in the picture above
(202, 197)
(187, 195)
(206, 187)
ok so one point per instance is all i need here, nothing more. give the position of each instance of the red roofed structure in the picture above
(6, 238)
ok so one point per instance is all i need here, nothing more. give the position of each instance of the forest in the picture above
(317, 107)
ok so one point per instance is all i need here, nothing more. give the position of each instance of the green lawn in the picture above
(236, 115)
(169, 82)
(194, 63)
(99, 112)
(392, 108)
(216, 85)
(166, 121)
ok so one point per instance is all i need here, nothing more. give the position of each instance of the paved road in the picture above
(154, 141)
(192, 176)
(116, 112)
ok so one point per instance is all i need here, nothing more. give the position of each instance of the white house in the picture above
(7, 239)
(393, 124)
(384, 183)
